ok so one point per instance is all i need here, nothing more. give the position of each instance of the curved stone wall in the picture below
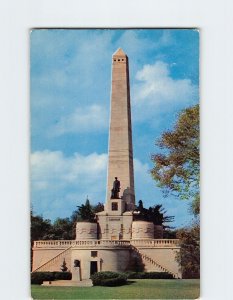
(142, 230)
(86, 231)
(115, 260)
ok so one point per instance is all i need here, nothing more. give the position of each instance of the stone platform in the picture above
(83, 283)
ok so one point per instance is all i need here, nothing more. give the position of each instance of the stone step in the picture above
(153, 262)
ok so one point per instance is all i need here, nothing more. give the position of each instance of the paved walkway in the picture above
(86, 282)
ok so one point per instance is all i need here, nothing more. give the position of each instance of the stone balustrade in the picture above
(156, 243)
(53, 244)
(80, 243)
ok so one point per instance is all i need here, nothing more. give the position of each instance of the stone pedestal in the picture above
(76, 274)
(114, 226)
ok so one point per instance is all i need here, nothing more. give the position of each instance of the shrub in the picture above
(62, 275)
(39, 277)
(149, 275)
(109, 278)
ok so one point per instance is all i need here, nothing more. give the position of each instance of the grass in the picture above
(136, 289)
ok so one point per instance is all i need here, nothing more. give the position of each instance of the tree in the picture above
(177, 166)
(63, 266)
(40, 228)
(98, 207)
(62, 229)
(158, 217)
(155, 214)
(140, 213)
(86, 212)
(189, 258)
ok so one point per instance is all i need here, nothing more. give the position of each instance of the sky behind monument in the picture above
(70, 108)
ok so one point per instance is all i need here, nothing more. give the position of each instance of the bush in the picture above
(62, 275)
(149, 275)
(120, 280)
(39, 277)
(109, 278)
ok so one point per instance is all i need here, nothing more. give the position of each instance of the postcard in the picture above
(115, 168)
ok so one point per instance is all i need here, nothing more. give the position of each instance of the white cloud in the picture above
(155, 86)
(166, 39)
(147, 191)
(83, 119)
(131, 43)
(134, 44)
(156, 93)
(68, 62)
(141, 170)
(144, 184)
(59, 182)
(49, 168)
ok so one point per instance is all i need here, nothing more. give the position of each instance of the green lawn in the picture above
(136, 289)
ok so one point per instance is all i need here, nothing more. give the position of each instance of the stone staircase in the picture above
(153, 262)
(52, 261)
(145, 257)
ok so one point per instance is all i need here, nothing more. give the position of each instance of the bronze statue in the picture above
(116, 189)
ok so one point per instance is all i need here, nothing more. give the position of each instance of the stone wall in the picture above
(116, 260)
(142, 230)
(86, 231)
(117, 256)
(42, 256)
(165, 257)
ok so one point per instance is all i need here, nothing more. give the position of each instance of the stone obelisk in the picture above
(120, 155)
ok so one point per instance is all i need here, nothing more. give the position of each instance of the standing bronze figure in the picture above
(116, 189)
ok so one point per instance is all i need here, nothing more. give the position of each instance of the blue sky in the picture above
(70, 98)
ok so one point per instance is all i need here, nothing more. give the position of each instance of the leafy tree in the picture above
(140, 212)
(155, 214)
(158, 217)
(189, 258)
(40, 228)
(62, 228)
(98, 207)
(169, 234)
(86, 212)
(177, 166)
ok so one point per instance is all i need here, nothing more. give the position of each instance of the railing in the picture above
(80, 243)
(52, 244)
(157, 243)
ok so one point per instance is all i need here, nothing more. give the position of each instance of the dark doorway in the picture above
(93, 267)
